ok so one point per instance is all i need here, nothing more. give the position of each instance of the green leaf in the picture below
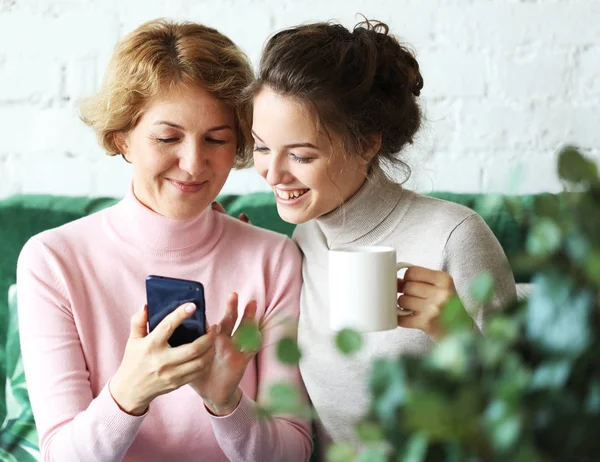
(454, 317)
(592, 267)
(340, 452)
(372, 455)
(288, 351)
(387, 383)
(592, 402)
(348, 341)
(416, 448)
(551, 374)
(369, 432)
(450, 356)
(544, 238)
(482, 288)
(577, 246)
(506, 432)
(284, 398)
(247, 337)
(6, 456)
(558, 315)
(503, 328)
(547, 205)
(574, 167)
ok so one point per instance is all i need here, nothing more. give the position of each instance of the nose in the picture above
(193, 159)
(277, 170)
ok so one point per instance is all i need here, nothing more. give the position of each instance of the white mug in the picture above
(363, 289)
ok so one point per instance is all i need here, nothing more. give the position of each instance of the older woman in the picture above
(102, 387)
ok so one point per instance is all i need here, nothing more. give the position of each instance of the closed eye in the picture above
(168, 140)
(260, 149)
(300, 160)
(215, 141)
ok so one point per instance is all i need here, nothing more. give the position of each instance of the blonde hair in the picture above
(158, 55)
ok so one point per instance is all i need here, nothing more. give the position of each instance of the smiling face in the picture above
(306, 170)
(182, 150)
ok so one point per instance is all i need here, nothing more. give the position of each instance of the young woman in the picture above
(332, 108)
(104, 389)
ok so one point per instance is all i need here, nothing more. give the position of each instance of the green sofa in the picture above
(23, 216)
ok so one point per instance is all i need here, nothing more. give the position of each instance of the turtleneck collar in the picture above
(362, 213)
(160, 236)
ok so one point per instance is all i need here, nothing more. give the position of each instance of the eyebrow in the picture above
(213, 129)
(292, 145)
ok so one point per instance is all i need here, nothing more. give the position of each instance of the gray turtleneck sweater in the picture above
(427, 232)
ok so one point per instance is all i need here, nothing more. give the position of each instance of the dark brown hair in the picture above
(360, 83)
(158, 55)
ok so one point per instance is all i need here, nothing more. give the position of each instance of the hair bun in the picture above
(397, 69)
(418, 86)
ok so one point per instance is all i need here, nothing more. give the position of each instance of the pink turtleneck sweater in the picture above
(78, 286)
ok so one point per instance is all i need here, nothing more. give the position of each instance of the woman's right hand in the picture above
(151, 367)
(219, 208)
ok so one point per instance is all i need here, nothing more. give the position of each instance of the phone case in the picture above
(164, 295)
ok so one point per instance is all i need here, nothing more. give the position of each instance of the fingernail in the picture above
(190, 307)
(218, 329)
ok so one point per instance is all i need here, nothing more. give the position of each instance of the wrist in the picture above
(226, 408)
(123, 401)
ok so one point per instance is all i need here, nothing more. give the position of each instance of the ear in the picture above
(120, 140)
(372, 148)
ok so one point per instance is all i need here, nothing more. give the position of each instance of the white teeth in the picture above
(289, 194)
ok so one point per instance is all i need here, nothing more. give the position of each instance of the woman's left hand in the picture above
(425, 292)
(219, 387)
(219, 208)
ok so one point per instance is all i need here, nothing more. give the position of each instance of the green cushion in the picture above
(18, 435)
(22, 216)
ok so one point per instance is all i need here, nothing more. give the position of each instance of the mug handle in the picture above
(401, 265)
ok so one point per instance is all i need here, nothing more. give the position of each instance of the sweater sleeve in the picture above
(473, 249)
(73, 425)
(242, 435)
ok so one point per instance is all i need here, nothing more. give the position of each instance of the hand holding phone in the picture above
(164, 295)
(136, 384)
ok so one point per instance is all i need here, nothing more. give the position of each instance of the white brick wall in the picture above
(507, 82)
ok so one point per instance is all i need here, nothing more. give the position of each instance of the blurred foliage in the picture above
(529, 390)
(348, 341)
(248, 337)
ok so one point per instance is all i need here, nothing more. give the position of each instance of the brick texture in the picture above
(507, 83)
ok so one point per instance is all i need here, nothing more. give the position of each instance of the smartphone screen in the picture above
(164, 295)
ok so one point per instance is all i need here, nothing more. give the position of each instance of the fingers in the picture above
(167, 326)
(249, 312)
(138, 327)
(421, 290)
(231, 314)
(437, 278)
(218, 208)
(410, 322)
(410, 303)
(194, 367)
(199, 347)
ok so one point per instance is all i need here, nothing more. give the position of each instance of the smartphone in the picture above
(164, 295)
